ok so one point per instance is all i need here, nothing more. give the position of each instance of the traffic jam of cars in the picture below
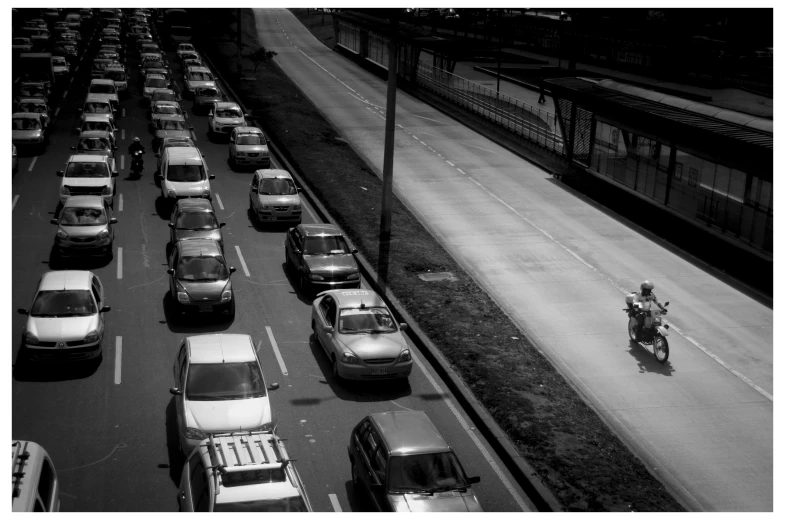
(226, 422)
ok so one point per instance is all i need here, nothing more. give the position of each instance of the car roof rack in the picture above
(18, 463)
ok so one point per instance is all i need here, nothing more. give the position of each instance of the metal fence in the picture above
(522, 120)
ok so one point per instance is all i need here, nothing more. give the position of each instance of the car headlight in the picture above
(91, 337)
(353, 276)
(107, 190)
(264, 153)
(240, 154)
(102, 234)
(194, 433)
(183, 297)
(315, 277)
(171, 193)
(31, 339)
(405, 355)
(206, 193)
(349, 359)
(62, 234)
(226, 295)
(296, 207)
(265, 207)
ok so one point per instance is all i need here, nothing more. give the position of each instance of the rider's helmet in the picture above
(646, 287)
(136, 139)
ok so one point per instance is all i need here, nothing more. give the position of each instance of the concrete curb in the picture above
(524, 474)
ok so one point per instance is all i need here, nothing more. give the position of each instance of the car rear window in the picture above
(369, 320)
(197, 221)
(201, 269)
(171, 124)
(273, 505)
(431, 472)
(103, 88)
(155, 83)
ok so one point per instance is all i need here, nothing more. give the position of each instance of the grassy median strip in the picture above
(573, 451)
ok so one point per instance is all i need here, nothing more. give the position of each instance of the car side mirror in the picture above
(328, 328)
(59, 173)
(211, 177)
(53, 221)
(273, 386)
(171, 225)
(73, 147)
(299, 189)
(666, 304)
(170, 271)
(473, 480)
(78, 130)
(231, 140)
(210, 114)
(114, 147)
(22, 311)
(78, 109)
(404, 326)
(175, 391)
(106, 308)
(354, 251)
(376, 486)
(191, 128)
(113, 220)
(222, 224)
(232, 269)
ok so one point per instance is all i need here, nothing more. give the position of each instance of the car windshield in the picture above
(370, 320)
(153, 64)
(32, 91)
(201, 269)
(32, 107)
(82, 217)
(167, 109)
(115, 75)
(99, 65)
(97, 108)
(335, 245)
(250, 139)
(58, 61)
(425, 473)
(197, 221)
(273, 505)
(224, 381)
(155, 83)
(200, 76)
(277, 187)
(103, 88)
(21, 41)
(60, 304)
(91, 170)
(25, 123)
(91, 144)
(171, 124)
(228, 112)
(106, 55)
(207, 92)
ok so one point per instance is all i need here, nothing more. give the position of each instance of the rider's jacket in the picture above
(136, 146)
(639, 298)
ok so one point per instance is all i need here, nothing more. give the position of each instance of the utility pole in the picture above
(389, 147)
(239, 44)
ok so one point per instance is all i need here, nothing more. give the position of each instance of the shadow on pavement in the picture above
(26, 370)
(176, 457)
(163, 208)
(86, 263)
(194, 323)
(358, 501)
(646, 360)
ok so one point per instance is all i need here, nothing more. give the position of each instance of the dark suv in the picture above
(319, 255)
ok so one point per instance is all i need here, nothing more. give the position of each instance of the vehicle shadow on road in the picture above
(176, 457)
(268, 227)
(195, 323)
(87, 263)
(647, 363)
(26, 370)
(163, 208)
(294, 281)
(358, 502)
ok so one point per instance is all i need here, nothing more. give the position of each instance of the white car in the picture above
(183, 48)
(274, 197)
(219, 387)
(248, 147)
(88, 175)
(104, 89)
(164, 108)
(66, 319)
(154, 82)
(224, 117)
(197, 77)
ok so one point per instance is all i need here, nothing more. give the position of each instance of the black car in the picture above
(320, 257)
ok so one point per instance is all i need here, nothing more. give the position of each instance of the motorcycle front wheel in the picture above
(631, 328)
(661, 350)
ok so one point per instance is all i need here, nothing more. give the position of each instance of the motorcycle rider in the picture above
(645, 296)
(137, 146)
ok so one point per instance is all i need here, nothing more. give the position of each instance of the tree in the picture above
(261, 55)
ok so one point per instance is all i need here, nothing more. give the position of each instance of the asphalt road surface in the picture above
(109, 431)
(560, 266)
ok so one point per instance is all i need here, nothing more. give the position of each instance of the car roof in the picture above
(164, 102)
(60, 280)
(155, 76)
(271, 173)
(87, 158)
(220, 348)
(184, 153)
(226, 104)
(162, 90)
(98, 117)
(95, 134)
(409, 432)
(355, 298)
(311, 230)
(84, 201)
(194, 205)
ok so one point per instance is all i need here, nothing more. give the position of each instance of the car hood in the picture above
(161, 134)
(251, 148)
(229, 120)
(194, 84)
(111, 97)
(86, 182)
(187, 188)
(449, 501)
(226, 416)
(62, 329)
(185, 234)
(331, 263)
(204, 291)
(83, 231)
(279, 200)
(374, 346)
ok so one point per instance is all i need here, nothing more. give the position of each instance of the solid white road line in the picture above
(334, 502)
(473, 436)
(218, 198)
(275, 349)
(122, 162)
(242, 261)
(32, 163)
(13, 204)
(308, 209)
(119, 263)
(118, 359)
(121, 203)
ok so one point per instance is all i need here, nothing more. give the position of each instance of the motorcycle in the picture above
(137, 163)
(653, 331)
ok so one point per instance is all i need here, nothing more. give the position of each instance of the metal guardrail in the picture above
(523, 120)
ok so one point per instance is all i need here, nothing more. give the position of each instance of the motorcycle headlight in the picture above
(349, 359)
(91, 337)
(405, 355)
(353, 276)
(107, 190)
(62, 234)
(206, 193)
(102, 234)
(65, 191)
(171, 194)
(315, 277)
(194, 433)
(226, 295)
(31, 339)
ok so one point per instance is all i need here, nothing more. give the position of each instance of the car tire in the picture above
(303, 286)
(231, 311)
(336, 375)
(355, 476)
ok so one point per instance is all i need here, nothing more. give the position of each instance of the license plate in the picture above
(269, 218)
(205, 308)
(378, 371)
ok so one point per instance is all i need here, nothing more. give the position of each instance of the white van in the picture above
(184, 174)
(35, 484)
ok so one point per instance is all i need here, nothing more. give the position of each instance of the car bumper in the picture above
(269, 216)
(320, 285)
(252, 161)
(363, 372)
(55, 354)
(207, 308)
(68, 248)
(107, 198)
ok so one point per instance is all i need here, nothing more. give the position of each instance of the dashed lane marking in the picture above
(334, 502)
(122, 133)
(57, 111)
(32, 163)
(122, 112)
(118, 359)
(275, 349)
(218, 198)
(242, 261)
(310, 212)
(65, 94)
(13, 204)
(121, 203)
(119, 263)
(122, 162)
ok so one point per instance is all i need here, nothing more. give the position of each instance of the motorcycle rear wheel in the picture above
(632, 328)
(661, 350)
